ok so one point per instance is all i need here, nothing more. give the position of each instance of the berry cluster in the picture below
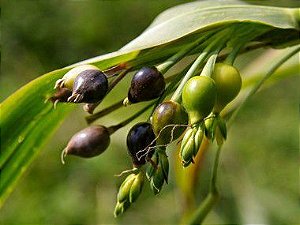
(192, 113)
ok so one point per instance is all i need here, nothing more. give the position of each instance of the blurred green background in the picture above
(259, 165)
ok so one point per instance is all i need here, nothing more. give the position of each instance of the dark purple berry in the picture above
(140, 143)
(147, 84)
(90, 86)
(89, 142)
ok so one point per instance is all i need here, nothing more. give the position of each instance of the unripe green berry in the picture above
(228, 82)
(164, 120)
(198, 97)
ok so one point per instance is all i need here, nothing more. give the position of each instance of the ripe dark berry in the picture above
(139, 139)
(147, 84)
(68, 79)
(90, 86)
(89, 142)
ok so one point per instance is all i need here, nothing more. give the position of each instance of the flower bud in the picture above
(157, 180)
(125, 188)
(136, 187)
(191, 143)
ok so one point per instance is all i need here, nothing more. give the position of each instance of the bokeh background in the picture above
(259, 166)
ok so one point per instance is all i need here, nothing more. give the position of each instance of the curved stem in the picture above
(114, 128)
(165, 66)
(209, 66)
(218, 41)
(103, 112)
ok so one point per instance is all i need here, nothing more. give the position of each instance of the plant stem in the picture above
(165, 66)
(114, 128)
(218, 41)
(206, 206)
(209, 66)
(103, 112)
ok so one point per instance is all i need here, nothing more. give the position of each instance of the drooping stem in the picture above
(218, 41)
(103, 112)
(208, 203)
(165, 66)
(209, 66)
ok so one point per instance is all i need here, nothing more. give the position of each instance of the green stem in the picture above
(103, 112)
(243, 34)
(114, 128)
(217, 41)
(233, 54)
(208, 203)
(165, 66)
(209, 66)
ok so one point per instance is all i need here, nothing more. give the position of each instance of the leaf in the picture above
(27, 122)
(182, 20)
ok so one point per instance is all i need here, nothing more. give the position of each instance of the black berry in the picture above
(147, 84)
(90, 86)
(140, 143)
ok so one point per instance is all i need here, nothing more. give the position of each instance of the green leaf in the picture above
(198, 16)
(27, 122)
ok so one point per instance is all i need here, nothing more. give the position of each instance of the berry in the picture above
(164, 120)
(140, 143)
(228, 82)
(198, 97)
(90, 86)
(68, 79)
(89, 142)
(147, 84)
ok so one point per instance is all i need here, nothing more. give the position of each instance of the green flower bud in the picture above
(198, 138)
(121, 208)
(210, 126)
(157, 180)
(191, 143)
(151, 168)
(125, 188)
(188, 147)
(164, 163)
(136, 187)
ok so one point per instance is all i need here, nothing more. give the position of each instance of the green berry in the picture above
(198, 97)
(164, 120)
(228, 82)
